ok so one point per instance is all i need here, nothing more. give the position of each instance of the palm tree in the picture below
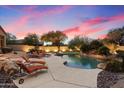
(56, 37)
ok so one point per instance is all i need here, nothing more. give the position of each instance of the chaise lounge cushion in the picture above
(31, 69)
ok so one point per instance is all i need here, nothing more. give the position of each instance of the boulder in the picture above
(101, 65)
(10, 67)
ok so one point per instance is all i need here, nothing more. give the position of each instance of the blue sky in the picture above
(91, 21)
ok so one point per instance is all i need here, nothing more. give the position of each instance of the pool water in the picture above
(81, 62)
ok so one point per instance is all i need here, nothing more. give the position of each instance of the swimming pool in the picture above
(81, 62)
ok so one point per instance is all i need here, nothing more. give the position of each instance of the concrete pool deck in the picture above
(60, 76)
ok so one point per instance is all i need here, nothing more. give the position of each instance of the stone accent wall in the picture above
(120, 48)
(45, 48)
(20, 47)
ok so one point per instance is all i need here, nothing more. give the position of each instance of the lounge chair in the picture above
(37, 54)
(27, 60)
(29, 69)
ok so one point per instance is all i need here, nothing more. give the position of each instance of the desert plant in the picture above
(85, 48)
(103, 50)
(114, 66)
(95, 44)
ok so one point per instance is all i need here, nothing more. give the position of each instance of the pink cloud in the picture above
(17, 24)
(21, 27)
(102, 36)
(49, 12)
(33, 13)
(39, 30)
(118, 17)
(96, 21)
(95, 25)
(71, 32)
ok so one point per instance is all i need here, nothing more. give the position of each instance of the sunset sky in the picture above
(91, 21)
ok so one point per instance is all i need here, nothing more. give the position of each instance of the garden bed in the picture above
(107, 79)
(6, 81)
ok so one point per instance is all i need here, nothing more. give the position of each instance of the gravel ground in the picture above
(6, 81)
(107, 79)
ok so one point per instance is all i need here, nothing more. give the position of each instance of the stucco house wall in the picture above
(2, 37)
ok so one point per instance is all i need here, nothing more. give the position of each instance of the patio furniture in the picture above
(27, 60)
(37, 54)
(29, 69)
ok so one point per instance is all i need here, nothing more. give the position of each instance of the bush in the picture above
(95, 44)
(32, 50)
(6, 50)
(85, 48)
(103, 50)
(114, 66)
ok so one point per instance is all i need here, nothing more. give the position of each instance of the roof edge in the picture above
(3, 30)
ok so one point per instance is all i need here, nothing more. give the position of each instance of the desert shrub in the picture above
(95, 44)
(103, 50)
(114, 66)
(85, 48)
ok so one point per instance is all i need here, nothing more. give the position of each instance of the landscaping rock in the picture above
(8, 66)
(101, 65)
(106, 79)
(6, 81)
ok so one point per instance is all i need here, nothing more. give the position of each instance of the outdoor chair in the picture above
(27, 60)
(29, 69)
(37, 54)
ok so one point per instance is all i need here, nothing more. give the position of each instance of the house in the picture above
(2, 37)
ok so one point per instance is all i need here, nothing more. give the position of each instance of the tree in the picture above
(116, 35)
(103, 50)
(10, 39)
(77, 42)
(56, 37)
(31, 39)
(95, 44)
(85, 48)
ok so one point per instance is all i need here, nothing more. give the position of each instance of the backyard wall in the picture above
(120, 48)
(45, 48)
(113, 47)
